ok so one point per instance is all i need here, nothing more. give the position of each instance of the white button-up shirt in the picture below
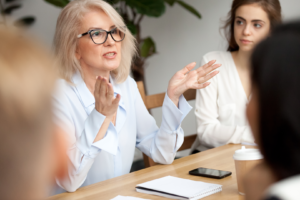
(113, 155)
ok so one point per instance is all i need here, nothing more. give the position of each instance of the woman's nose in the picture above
(247, 30)
(109, 41)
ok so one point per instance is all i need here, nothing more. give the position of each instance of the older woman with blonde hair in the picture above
(99, 105)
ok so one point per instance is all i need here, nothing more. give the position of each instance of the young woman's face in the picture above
(104, 57)
(251, 25)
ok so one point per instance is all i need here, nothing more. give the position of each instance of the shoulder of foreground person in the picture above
(287, 189)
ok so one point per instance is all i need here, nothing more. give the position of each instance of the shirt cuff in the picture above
(91, 128)
(173, 115)
(110, 141)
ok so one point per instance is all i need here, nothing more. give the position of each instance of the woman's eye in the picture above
(96, 33)
(114, 31)
(257, 25)
(238, 22)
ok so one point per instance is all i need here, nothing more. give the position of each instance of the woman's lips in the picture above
(110, 55)
(245, 41)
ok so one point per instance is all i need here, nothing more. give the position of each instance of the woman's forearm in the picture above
(103, 129)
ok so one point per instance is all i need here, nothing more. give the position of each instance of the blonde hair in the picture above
(26, 83)
(65, 39)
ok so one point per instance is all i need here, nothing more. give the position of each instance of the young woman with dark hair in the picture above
(274, 114)
(220, 109)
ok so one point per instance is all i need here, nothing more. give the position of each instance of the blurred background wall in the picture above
(180, 39)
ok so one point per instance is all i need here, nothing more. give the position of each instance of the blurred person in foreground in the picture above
(99, 105)
(274, 116)
(31, 150)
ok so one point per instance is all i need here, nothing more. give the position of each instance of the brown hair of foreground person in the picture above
(28, 159)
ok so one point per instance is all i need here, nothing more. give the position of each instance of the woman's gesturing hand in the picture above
(105, 102)
(186, 79)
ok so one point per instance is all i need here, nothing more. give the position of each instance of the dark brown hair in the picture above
(276, 60)
(271, 7)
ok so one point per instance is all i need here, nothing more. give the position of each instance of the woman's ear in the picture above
(60, 153)
(77, 54)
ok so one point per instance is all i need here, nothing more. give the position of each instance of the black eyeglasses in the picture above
(99, 36)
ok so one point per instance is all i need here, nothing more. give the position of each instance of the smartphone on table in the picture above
(210, 173)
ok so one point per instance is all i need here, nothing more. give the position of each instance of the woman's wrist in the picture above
(174, 98)
(110, 117)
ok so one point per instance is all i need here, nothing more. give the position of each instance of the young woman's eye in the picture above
(239, 22)
(257, 26)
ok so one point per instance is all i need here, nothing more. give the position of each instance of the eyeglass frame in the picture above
(107, 32)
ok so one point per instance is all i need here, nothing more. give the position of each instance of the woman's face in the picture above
(98, 57)
(253, 115)
(251, 25)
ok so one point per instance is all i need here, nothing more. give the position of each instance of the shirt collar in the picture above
(85, 95)
(117, 89)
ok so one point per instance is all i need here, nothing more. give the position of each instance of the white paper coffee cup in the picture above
(245, 159)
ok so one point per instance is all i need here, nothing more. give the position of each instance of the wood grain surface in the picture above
(217, 158)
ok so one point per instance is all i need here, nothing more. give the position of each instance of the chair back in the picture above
(155, 101)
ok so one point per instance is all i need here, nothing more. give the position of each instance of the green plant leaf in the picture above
(189, 8)
(148, 47)
(25, 21)
(151, 8)
(58, 3)
(132, 28)
(170, 2)
(9, 9)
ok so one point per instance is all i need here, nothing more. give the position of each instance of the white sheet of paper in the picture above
(119, 197)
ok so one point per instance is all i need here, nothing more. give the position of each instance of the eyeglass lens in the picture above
(99, 36)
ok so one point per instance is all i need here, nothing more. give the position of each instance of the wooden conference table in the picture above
(217, 158)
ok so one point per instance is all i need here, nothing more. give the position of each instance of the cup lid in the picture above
(247, 154)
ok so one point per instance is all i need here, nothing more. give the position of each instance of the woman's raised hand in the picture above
(186, 79)
(105, 102)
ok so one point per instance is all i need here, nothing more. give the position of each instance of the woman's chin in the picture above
(110, 66)
(246, 48)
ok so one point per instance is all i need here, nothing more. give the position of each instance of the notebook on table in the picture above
(178, 188)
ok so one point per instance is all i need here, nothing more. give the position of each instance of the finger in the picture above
(212, 68)
(210, 63)
(103, 89)
(188, 68)
(204, 85)
(97, 86)
(208, 70)
(110, 92)
(201, 86)
(207, 77)
(117, 100)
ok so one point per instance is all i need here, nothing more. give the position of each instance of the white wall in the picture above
(180, 37)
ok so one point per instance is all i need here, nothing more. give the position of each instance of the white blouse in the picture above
(221, 107)
(112, 156)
